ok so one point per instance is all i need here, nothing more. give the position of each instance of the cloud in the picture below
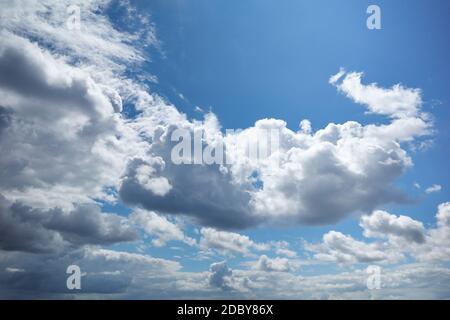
(63, 93)
(343, 249)
(229, 243)
(443, 215)
(159, 227)
(22, 230)
(29, 72)
(277, 264)
(45, 231)
(88, 225)
(86, 143)
(404, 237)
(159, 186)
(283, 248)
(220, 275)
(97, 43)
(433, 188)
(286, 252)
(383, 224)
(396, 102)
(437, 245)
(104, 272)
(349, 167)
(206, 193)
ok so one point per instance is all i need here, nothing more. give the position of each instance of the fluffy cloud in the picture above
(45, 231)
(437, 245)
(443, 215)
(397, 102)
(311, 178)
(282, 248)
(383, 224)
(404, 235)
(78, 156)
(159, 227)
(343, 249)
(277, 264)
(220, 275)
(96, 43)
(203, 192)
(229, 242)
(104, 272)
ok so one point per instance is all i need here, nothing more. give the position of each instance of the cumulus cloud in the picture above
(86, 144)
(276, 264)
(220, 275)
(397, 102)
(437, 245)
(360, 161)
(443, 215)
(88, 225)
(405, 237)
(383, 224)
(104, 272)
(159, 227)
(45, 231)
(202, 192)
(349, 167)
(310, 178)
(229, 243)
(283, 248)
(344, 249)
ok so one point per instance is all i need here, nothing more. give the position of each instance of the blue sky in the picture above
(86, 115)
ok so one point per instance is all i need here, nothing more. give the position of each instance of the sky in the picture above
(93, 92)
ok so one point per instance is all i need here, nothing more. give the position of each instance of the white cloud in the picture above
(220, 275)
(14, 270)
(159, 186)
(23, 228)
(286, 252)
(383, 224)
(405, 237)
(139, 263)
(282, 248)
(158, 226)
(343, 249)
(85, 149)
(437, 245)
(98, 44)
(276, 264)
(433, 188)
(229, 243)
(349, 167)
(443, 215)
(397, 102)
